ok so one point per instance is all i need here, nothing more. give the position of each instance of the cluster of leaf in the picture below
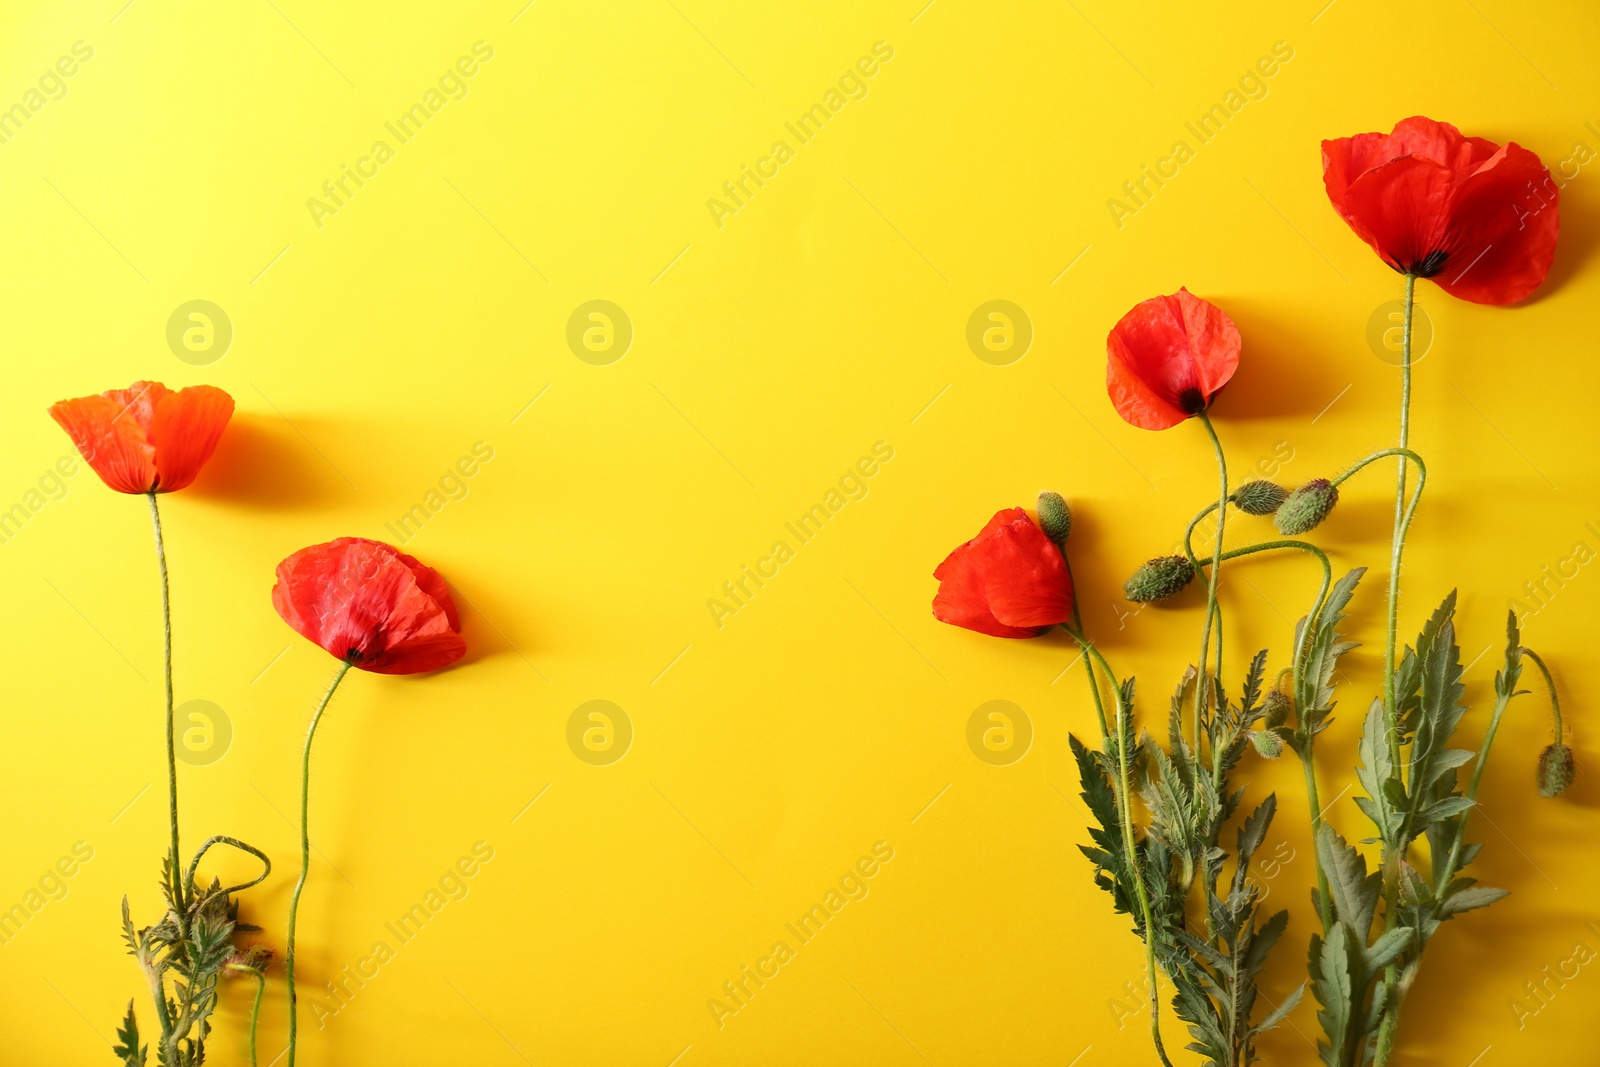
(183, 957)
(1185, 789)
(1411, 791)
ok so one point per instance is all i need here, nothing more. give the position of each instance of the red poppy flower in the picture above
(1009, 581)
(1478, 218)
(1168, 359)
(370, 604)
(146, 438)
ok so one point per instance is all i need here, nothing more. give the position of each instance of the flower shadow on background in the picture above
(266, 462)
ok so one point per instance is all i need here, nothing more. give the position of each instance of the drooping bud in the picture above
(1268, 743)
(1556, 768)
(1259, 497)
(1160, 578)
(255, 958)
(1306, 507)
(1276, 705)
(1055, 518)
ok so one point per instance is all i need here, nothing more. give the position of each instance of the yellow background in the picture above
(769, 353)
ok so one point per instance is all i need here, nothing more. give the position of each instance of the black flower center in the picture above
(1192, 401)
(1428, 265)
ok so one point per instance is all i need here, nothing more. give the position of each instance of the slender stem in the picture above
(305, 850)
(1125, 810)
(255, 1012)
(1402, 523)
(178, 888)
(1549, 684)
(1213, 577)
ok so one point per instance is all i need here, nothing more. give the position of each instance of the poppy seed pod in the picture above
(1306, 507)
(1055, 518)
(1276, 706)
(1556, 768)
(1160, 578)
(1267, 743)
(1259, 497)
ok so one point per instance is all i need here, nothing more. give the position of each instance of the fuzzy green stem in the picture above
(1550, 685)
(255, 1011)
(1402, 523)
(305, 851)
(1212, 578)
(1125, 810)
(178, 888)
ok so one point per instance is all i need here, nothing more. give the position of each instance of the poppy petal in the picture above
(1505, 221)
(185, 430)
(110, 441)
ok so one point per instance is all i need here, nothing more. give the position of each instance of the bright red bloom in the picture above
(1009, 581)
(370, 604)
(146, 438)
(1168, 358)
(1478, 218)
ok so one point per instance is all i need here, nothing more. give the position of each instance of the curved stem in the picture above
(305, 851)
(1125, 810)
(1549, 684)
(1404, 453)
(1212, 577)
(178, 888)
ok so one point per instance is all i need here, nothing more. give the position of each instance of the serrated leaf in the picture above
(1469, 899)
(127, 1047)
(1278, 1014)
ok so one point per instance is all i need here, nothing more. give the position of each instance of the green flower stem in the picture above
(178, 888)
(1555, 701)
(255, 1005)
(1404, 453)
(1125, 810)
(1075, 629)
(1306, 762)
(1212, 578)
(1402, 524)
(1447, 873)
(305, 851)
(255, 1013)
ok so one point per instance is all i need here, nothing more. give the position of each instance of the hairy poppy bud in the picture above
(1159, 579)
(1055, 518)
(1277, 709)
(1306, 507)
(1268, 744)
(1259, 497)
(1556, 767)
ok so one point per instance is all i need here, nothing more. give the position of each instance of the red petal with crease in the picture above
(146, 438)
(370, 604)
(1009, 581)
(1478, 218)
(1168, 358)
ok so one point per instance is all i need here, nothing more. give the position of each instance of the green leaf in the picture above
(127, 1047)
(1377, 775)
(1331, 983)
(1468, 899)
(1354, 892)
(1278, 1014)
